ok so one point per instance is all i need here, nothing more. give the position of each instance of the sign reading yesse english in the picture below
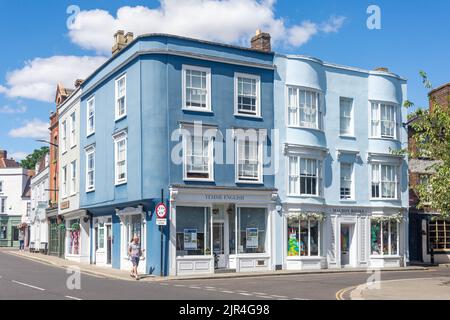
(226, 197)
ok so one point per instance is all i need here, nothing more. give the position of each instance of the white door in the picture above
(133, 225)
(103, 244)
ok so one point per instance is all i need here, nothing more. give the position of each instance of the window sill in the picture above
(347, 136)
(197, 180)
(306, 196)
(249, 182)
(72, 147)
(384, 199)
(347, 201)
(243, 115)
(120, 183)
(384, 139)
(305, 128)
(120, 118)
(90, 190)
(90, 134)
(202, 110)
(385, 256)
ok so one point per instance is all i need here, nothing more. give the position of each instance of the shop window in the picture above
(252, 225)
(193, 231)
(74, 237)
(3, 232)
(439, 235)
(303, 237)
(15, 234)
(384, 237)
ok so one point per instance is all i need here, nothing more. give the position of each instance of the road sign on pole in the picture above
(161, 214)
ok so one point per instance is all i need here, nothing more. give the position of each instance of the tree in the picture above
(30, 161)
(431, 132)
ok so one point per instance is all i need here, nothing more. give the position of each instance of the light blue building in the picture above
(190, 119)
(344, 193)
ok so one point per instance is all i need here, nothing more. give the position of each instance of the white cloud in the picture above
(38, 78)
(229, 21)
(3, 89)
(19, 155)
(34, 129)
(10, 110)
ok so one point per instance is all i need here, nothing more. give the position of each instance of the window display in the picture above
(193, 231)
(439, 234)
(74, 235)
(303, 236)
(384, 237)
(252, 226)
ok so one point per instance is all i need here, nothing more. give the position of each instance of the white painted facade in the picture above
(39, 228)
(77, 244)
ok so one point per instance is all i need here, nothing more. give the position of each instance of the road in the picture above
(25, 279)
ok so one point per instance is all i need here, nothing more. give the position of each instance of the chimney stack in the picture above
(78, 83)
(382, 69)
(121, 41)
(261, 41)
(3, 154)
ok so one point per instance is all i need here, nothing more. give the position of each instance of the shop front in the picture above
(9, 232)
(57, 234)
(344, 237)
(77, 242)
(221, 230)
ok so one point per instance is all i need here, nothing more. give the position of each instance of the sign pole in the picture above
(161, 231)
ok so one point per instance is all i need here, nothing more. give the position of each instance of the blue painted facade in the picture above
(332, 82)
(153, 68)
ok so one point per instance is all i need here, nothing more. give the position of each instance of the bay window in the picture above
(384, 120)
(196, 88)
(384, 237)
(384, 181)
(249, 166)
(247, 91)
(303, 237)
(304, 108)
(193, 231)
(305, 176)
(121, 92)
(120, 151)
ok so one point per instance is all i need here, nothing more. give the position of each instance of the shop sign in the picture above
(349, 210)
(190, 239)
(65, 205)
(252, 238)
(224, 197)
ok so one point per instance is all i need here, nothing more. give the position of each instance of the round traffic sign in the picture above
(161, 210)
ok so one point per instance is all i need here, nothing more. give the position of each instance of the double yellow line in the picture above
(340, 293)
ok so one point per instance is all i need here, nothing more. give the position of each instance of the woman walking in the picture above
(135, 253)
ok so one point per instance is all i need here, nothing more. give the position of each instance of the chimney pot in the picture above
(382, 69)
(78, 83)
(119, 41)
(261, 41)
(129, 37)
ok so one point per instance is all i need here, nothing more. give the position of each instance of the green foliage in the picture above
(30, 161)
(431, 132)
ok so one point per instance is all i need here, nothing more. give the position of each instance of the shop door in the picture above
(108, 244)
(220, 260)
(345, 245)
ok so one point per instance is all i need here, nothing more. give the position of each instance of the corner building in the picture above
(150, 99)
(343, 192)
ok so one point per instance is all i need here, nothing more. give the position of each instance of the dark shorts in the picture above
(135, 261)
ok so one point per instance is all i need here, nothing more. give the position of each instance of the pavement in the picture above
(35, 277)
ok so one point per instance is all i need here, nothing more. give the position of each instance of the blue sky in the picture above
(39, 50)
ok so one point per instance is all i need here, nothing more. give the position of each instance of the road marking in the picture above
(28, 285)
(340, 293)
(179, 285)
(260, 293)
(211, 289)
(193, 287)
(226, 291)
(163, 284)
(300, 299)
(264, 297)
(73, 298)
(275, 296)
(245, 294)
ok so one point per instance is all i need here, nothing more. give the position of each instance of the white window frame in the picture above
(73, 177)
(319, 238)
(318, 124)
(117, 97)
(187, 140)
(73, 136)
(89, 130)
(208, 88)
(64, 181)
(64, 136)
(120, 137)
(377, 123)
(390, 222)
(351, 129)
(90, 151)
(1, 186)
(257, 113)
(260, 149)
(380, 182)
(352, 181)
(319, 176)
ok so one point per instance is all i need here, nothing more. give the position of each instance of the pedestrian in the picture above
(135, 253)
(21, 240)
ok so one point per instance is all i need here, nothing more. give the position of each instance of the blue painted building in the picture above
(191, 120)
(343, 191)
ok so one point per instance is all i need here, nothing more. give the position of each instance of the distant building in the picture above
(14, 200)
(425, 232)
